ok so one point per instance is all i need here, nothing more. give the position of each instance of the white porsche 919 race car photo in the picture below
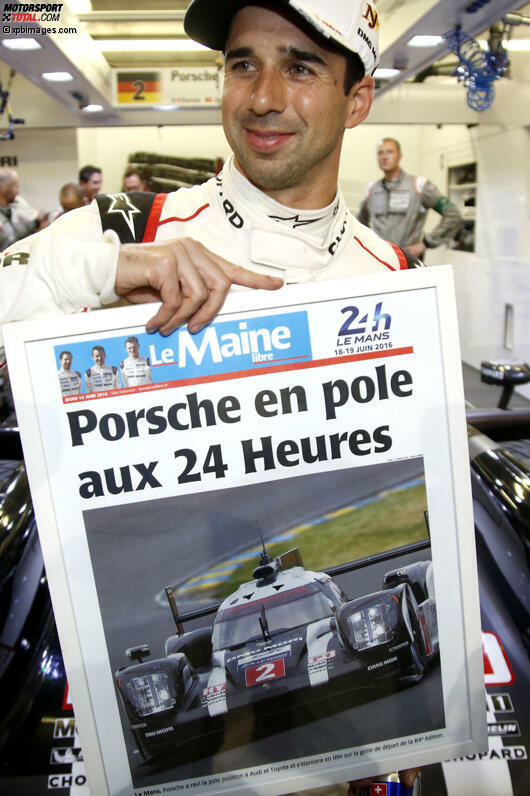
(286, 637)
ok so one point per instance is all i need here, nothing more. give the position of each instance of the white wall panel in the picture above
(499, 273)
(46, 159)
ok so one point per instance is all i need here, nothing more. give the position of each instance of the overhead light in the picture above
(512, 45)
(384, 73)
(93, 108)
(147, 45)
(165, 107)
(57, 77)
(22, 44)
(425, 41)
(517, 45)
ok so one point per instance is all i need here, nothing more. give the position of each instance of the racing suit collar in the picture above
(301, 243)
(313, 223)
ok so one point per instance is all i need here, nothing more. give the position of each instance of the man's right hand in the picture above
(189, 280)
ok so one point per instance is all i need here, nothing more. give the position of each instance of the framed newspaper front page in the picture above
(259, 538)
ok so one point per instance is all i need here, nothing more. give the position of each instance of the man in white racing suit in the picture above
(69, 380)
(135, 370)
(101, 376)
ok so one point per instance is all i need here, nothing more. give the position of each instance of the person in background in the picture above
(90, 182)
(396, 206)
(17, 218)
(70, 198)
(134, 180)
(69, 380)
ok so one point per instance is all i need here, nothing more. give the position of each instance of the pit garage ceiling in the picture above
(89, 59)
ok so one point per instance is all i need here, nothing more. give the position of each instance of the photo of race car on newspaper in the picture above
(289, 634)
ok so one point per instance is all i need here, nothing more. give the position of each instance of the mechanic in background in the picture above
(396, 206)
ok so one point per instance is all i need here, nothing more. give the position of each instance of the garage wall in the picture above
(498, 273)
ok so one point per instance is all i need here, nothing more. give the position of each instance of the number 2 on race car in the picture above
(265, 671)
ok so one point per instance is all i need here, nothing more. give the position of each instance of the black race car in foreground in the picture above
(287, 635)
(38, 739)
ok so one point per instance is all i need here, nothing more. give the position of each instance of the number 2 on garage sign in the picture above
(213, 463)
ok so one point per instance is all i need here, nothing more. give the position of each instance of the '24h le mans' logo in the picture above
(379, 318)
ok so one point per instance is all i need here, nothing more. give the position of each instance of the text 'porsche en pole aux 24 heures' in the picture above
(287, 636)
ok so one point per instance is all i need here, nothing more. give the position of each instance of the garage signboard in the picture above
(259, 538)
(181, 86)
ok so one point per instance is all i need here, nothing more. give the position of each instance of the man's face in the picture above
(132, 349)
(388, 156)
(93, 185)
(133, 183)
(98, 356)
(66, 361)
(284, 107)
